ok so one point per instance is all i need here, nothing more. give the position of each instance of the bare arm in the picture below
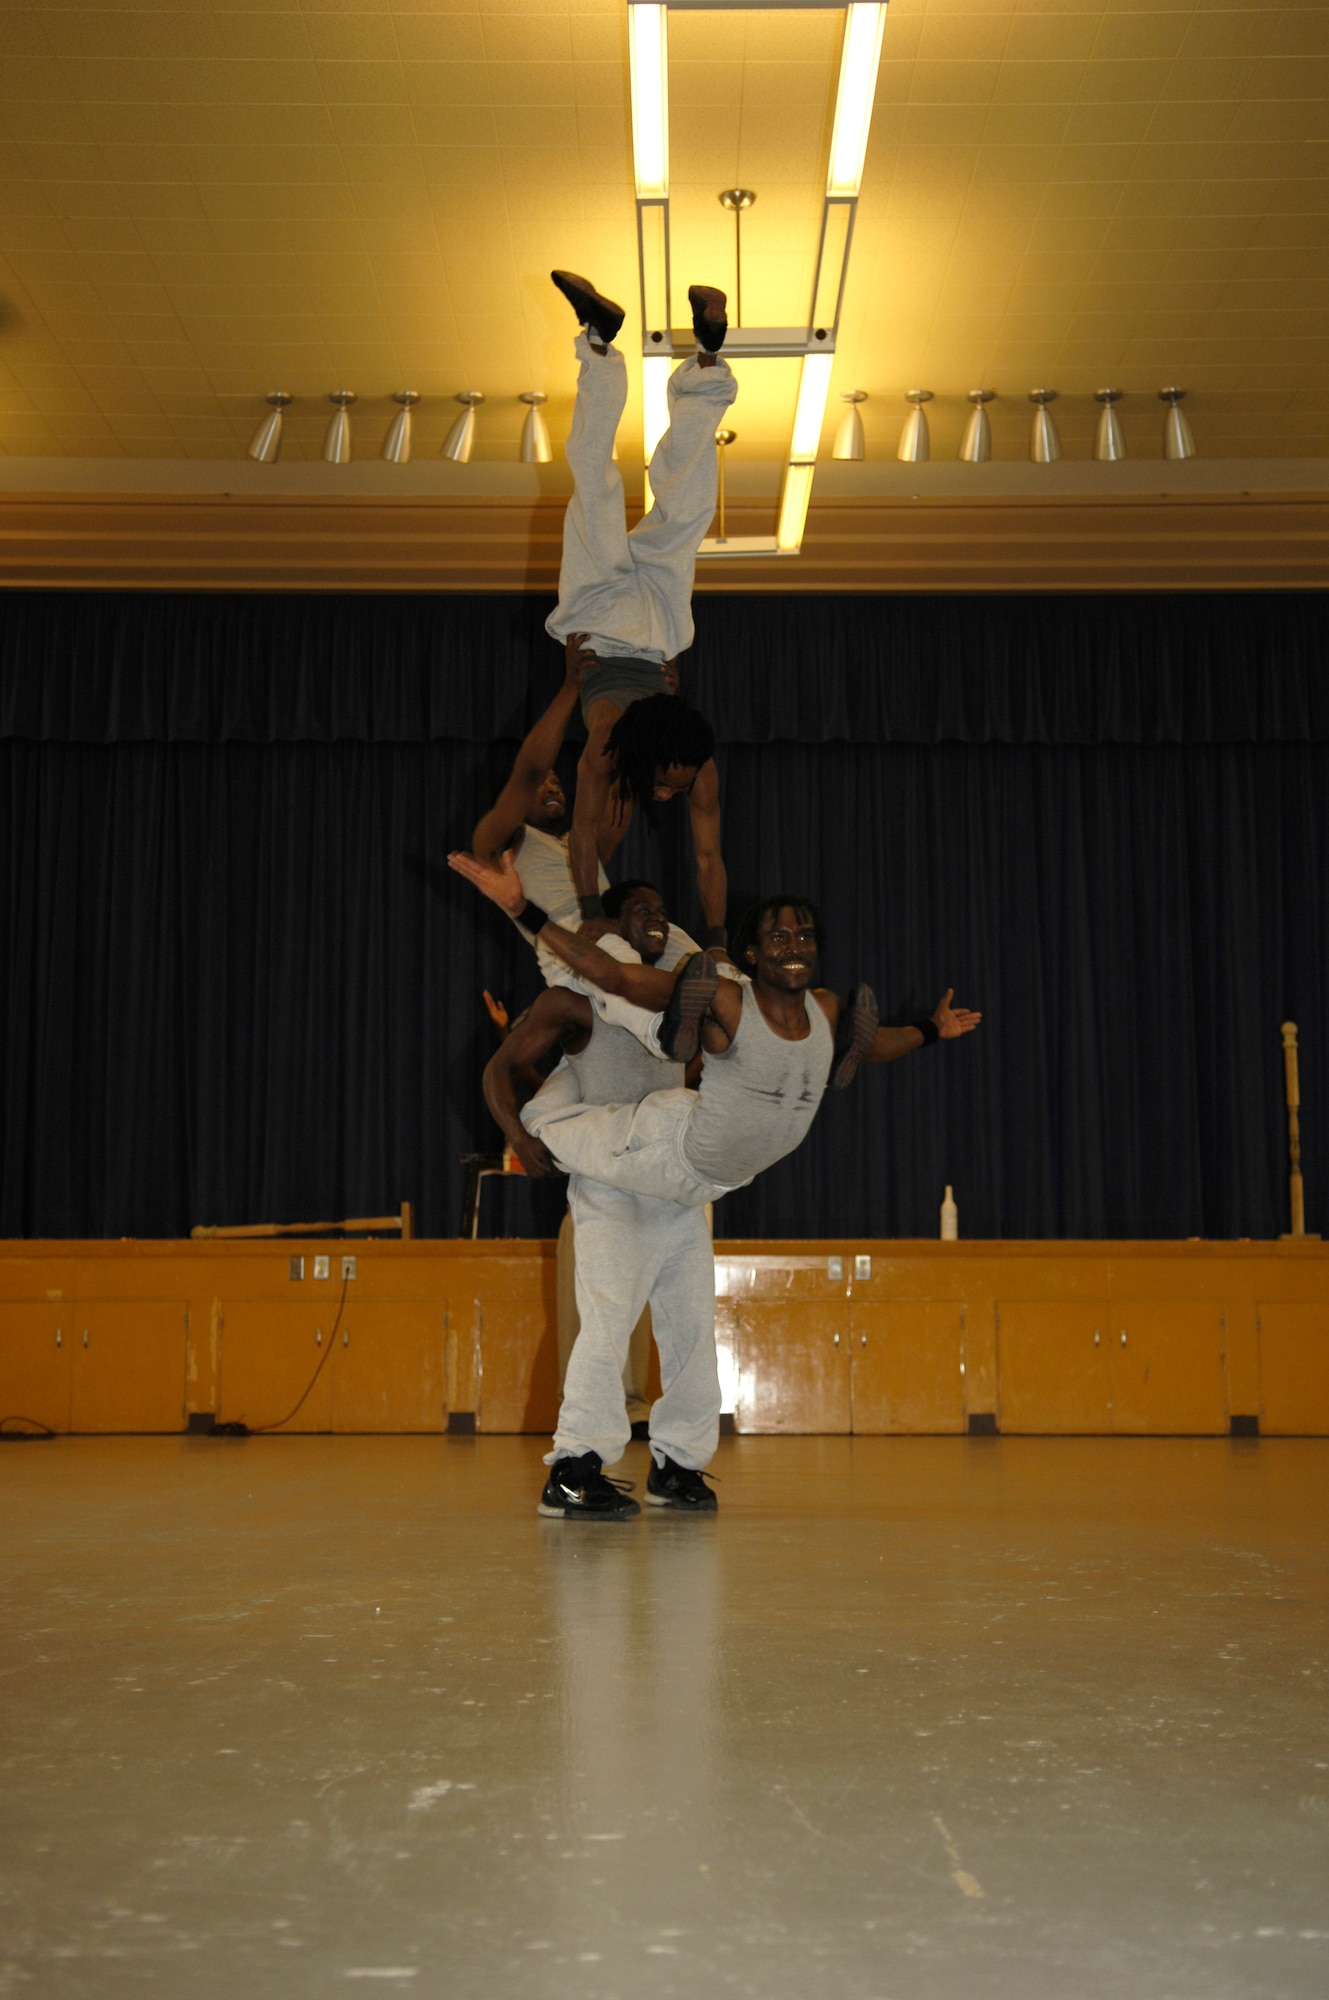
(592, 811)
(712, 880)
(509, 1070)
(641, 984)
(533, 761)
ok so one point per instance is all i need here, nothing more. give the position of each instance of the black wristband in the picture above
(591, 906)
(717, 938)
(928, 1029)
(533, 919)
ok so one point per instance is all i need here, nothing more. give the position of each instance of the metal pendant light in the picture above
(535, 446)
(458, 443)
(1177, 439)
(976, 444)
(915, 444)
(1109, 438)
(397, 443)
(265, 444)
(1044, 439)
(850, 441)
(337, 443)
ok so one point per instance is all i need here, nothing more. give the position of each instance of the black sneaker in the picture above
(854, 1035)
(600, 315)
(577, 1490)
(710, 321)
(694, 990)
(671, 1485)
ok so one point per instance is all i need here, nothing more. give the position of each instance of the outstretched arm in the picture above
(951, 1022)
(712, 881)
(592, 809)
(533, 760)
(508, 1072)
(640, 984)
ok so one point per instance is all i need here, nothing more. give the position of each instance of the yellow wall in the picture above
(1037, 1337)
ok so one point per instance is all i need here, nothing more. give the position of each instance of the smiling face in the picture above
(786, 950)
(645, 922)
(671, 779)
(551, 807)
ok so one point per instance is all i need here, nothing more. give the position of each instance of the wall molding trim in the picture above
(191, 541)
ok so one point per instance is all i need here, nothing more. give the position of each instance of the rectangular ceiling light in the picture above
(813, 386)
(648, 47)
(853, 102)
(793, 508)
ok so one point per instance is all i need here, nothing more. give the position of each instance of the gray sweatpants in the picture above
(635, 590)
(636, 1148)
(638, 1364)
(631, 1249)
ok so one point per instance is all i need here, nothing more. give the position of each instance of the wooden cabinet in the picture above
(267, 1357)
(1130, 1368)
(907, 1366)
(1052, 1365)
(387, 1368)
(36, 1352)
(793, 1368)
(1294, 1369)
(128, 1370)
(1167, 1368)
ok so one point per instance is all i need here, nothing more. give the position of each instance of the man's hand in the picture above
(496, 1011)
(953, 1021)
(536, 1159)
(594, 928)
(502, 884)
(578, 657)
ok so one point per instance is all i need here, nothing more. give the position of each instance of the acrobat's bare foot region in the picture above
(854, 1036)
(600, 316)
(710, 321)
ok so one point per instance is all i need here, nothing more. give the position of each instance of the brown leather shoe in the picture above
(599, 315)
(710, 321)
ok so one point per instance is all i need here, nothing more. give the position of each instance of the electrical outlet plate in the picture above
(347, 1267)
(296, 1269)
(862, 1267)
(322, 1267)
(835, 1268)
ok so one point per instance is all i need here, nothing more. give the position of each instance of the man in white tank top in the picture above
(772, 1047)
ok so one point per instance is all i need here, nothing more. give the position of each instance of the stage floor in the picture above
(1032, 1719)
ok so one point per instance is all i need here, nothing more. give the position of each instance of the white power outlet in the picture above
(347, 1267)
(322, 1267)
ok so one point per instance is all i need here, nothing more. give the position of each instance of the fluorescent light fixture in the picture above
(813, 386)
(794, 508)
(854, 99)
(648, 49)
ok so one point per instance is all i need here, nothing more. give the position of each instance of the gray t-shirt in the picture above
(759, 1098)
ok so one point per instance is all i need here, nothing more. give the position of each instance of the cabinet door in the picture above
(907, 1366)
(267, 1356)
(35, 1356)
(1169, 1375)
(1052, 1365)
(387, 1371)
(129, 1366)
(509, 1313)
(793, 1368)
(1294, 1370)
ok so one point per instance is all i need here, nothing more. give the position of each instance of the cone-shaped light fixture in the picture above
(397, 442)
(460, 439)
(1177, 439)
(915, 444)
(337, 443)
(535, 446)
(1109, 438)
(976, 444)
(1044, 438)
(849, 439)
(266, 441)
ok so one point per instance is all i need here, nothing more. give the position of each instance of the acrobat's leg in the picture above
(685, 1423)
(684, 479)
(635, 1147)
(616, 1264)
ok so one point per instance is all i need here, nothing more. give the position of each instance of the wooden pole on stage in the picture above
(1294, 1128)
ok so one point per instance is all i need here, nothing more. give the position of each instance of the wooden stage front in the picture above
(815, 1338)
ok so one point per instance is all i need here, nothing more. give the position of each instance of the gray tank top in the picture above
(546, 876)
(614, 1068)
(758, 1098)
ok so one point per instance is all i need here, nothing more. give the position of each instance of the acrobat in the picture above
(626, 597)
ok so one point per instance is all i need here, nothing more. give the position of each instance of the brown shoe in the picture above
(599, 315)
(710, 321)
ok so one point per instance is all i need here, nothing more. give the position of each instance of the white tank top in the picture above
(759, 1098)
(546, 876)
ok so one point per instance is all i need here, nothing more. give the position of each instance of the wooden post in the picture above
(1294, 1128)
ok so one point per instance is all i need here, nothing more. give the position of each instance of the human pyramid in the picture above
(637, 1009)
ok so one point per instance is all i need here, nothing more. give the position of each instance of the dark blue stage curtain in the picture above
(231, 989)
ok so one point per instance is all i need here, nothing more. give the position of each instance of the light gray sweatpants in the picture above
(634, 591)
(636, 1148)
(629, 1250)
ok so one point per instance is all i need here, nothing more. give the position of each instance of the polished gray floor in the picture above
(913, 1717)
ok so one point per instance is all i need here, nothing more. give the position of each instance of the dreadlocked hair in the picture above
(649, 736)
(803, 907)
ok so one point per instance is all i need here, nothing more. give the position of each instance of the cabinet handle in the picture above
(59, 1338)
(319, 1337)
(346, 1336)
(1095, 1336)
(85, 1336)
(862, 1340)
(837, 1339)
(1123, 1336)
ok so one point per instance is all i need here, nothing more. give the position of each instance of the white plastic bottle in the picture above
(950, 1219)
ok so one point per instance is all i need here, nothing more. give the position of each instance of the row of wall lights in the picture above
(1044, 438)
(535, 449)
